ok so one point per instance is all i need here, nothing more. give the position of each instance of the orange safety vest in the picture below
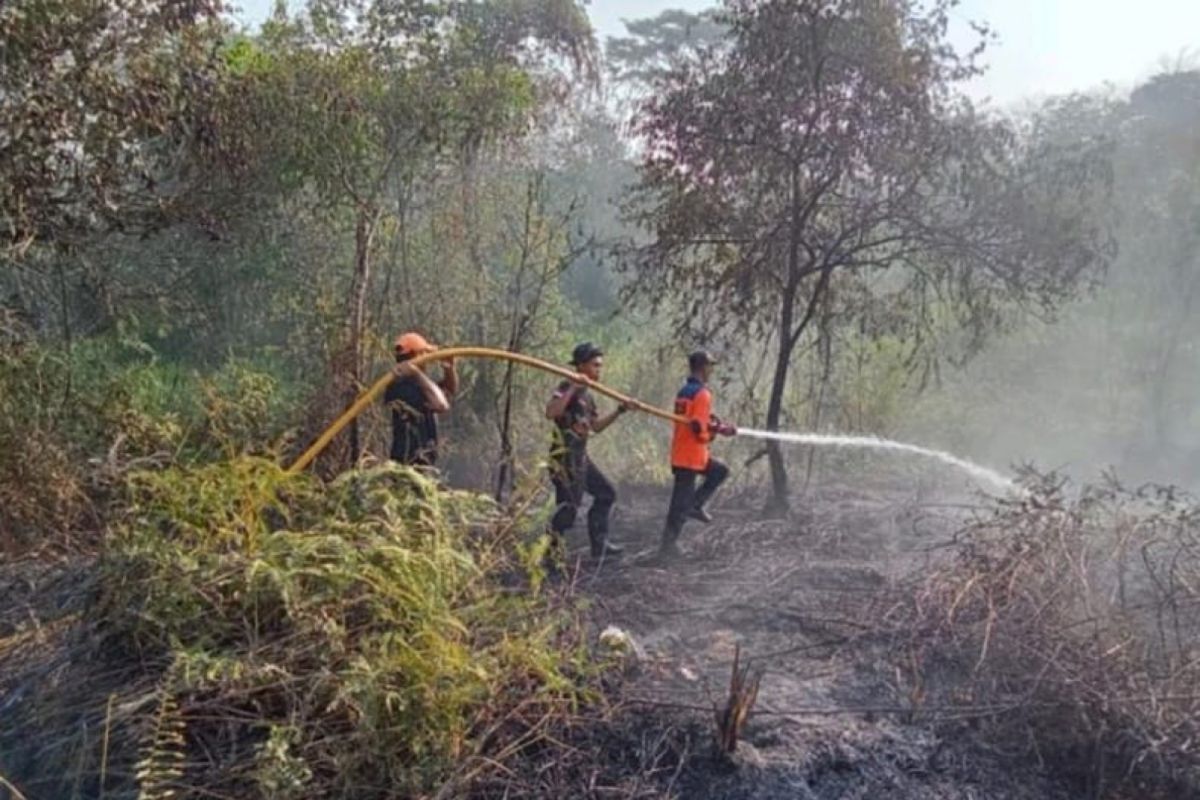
(689, 450)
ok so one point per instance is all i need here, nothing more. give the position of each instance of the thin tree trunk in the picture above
(789, 338)
(405, 262)
(522, 320)
(364, 234)
(778, 502)
(504, 474)
(824, 353)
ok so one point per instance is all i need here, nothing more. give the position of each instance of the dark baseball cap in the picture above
(584, 353)
(701, 358)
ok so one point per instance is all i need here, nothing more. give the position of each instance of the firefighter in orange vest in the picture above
(689, 453)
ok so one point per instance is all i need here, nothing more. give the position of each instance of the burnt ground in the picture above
(807, 601)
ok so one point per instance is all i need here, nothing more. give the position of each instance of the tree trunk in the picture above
(522, 320)
(777, 505)
(356, 318)
(824, 354)
(505, 472)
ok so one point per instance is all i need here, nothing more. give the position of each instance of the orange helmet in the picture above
(413, 344)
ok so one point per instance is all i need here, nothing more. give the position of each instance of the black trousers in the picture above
(574, 475)
(685, 496)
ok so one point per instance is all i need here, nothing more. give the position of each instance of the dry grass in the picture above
(744, 682)
(1067, 631)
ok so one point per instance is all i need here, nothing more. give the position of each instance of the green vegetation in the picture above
(349, 639)
(209, 238)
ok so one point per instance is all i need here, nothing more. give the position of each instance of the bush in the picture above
(42, 488)
(277, 638)
(72, 424)
(1070, 628)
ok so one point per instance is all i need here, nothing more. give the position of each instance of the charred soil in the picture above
(807, 603)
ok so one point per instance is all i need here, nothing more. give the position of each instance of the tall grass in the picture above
(72, 423)
(276, 638)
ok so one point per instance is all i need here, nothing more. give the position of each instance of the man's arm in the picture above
(701, 414)
(449, 381)
(562, 398)
(605, 421)
(718, 427)
(434, 397)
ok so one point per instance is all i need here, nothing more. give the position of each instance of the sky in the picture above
(1044, 47)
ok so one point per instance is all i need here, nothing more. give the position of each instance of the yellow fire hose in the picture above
(369, 396)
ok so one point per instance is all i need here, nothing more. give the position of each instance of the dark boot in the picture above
(668, 550)
(700, 514)
(603, 497)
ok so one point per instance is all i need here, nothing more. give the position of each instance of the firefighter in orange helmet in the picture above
(416, 400)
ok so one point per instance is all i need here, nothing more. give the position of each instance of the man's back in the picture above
(414, 425)
(689, 443)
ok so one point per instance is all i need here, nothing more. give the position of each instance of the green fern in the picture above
(160, 768)
(369, 614)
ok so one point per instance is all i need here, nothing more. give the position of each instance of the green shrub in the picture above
(354, 637)
(72, 423)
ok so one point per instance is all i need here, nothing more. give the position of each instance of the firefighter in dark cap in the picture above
(576, 420)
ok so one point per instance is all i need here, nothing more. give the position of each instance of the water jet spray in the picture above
(876, 443)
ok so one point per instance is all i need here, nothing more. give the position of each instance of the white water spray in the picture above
(874, 442)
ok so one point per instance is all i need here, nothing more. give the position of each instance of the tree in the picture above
(350, 104)
(824, 142)
(540, 253)
(654, 45)
(594, 170)
(95, 98)
(1163, 151)
(338, 128)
